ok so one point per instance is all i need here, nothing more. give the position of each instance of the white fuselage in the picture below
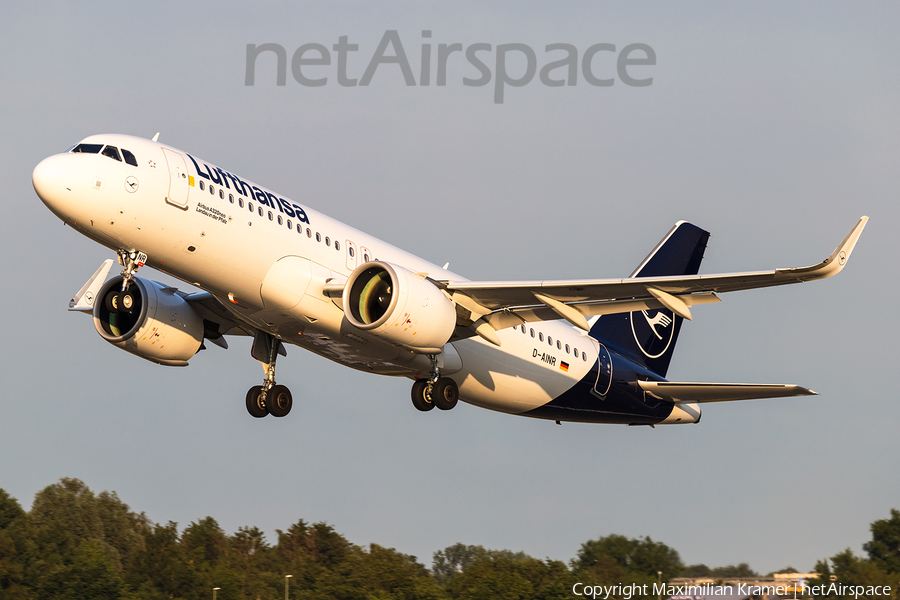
(268, 259)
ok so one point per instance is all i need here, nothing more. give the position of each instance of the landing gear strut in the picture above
(123, 301)
(132, 260)
(438, 391)
(268, 398)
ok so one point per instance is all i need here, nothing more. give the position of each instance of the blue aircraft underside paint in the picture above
(624, 403)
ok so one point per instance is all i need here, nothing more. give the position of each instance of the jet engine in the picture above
(149, 320)
(398, 306)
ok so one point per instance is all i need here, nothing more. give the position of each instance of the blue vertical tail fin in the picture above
(649, 336)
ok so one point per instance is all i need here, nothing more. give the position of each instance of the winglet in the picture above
(834, 263)
(83, 301)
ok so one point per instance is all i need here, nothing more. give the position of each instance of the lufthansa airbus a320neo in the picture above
(274, 269)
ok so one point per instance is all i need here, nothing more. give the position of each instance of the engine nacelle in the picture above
(154, 322)
(389, 302)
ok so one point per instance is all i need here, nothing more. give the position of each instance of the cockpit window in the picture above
(129, 157)
(111, 152)
(88, 148)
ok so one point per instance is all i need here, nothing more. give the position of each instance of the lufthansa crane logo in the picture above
(653, 331)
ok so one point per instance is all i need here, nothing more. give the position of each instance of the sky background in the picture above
(775, 126)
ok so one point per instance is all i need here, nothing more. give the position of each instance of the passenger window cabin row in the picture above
(559, 344)
(277, 217)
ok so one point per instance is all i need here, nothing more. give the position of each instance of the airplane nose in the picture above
(50, 181)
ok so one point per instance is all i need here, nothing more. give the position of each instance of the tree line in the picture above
(76, 544)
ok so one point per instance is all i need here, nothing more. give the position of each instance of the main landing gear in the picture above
(268, 398)
(276, 402)
(438, 391)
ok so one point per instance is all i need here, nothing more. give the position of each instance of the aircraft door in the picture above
(351, 255)
(604, 373)
(178, 179)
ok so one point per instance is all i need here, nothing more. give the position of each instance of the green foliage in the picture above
(205, 543)
(455, 559)
(385, 573)
(15, 549)
(727, 573)
(617, 559)
(739, 571)
(92, 573)
(75, 544)
(251, 555)
(848, 569)
(695, 571)
(64, 515)
(505, 575)
(884, 549)
(163, 566)
(10, 510)
(882, 568)
(76, 535)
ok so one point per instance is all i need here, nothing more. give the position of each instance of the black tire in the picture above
(445, 393)
(112, 302)
(279, 401)
(126, 301)
(419, 397)
(254, 406)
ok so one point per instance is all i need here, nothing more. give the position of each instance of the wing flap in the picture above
(513, 316)
(674, 391)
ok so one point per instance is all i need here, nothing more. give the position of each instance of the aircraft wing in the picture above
(674, 391)
(506, 304)
(217, 319)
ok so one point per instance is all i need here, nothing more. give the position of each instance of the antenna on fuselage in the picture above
(155, 137)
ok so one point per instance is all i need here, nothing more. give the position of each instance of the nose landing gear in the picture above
(124, 300)
(132, 260)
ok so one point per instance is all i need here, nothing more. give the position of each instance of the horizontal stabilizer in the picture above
(674, 391)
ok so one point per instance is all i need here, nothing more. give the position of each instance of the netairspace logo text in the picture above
(314, 65)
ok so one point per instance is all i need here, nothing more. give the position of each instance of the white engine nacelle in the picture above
(389, 302)
(154, 322)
